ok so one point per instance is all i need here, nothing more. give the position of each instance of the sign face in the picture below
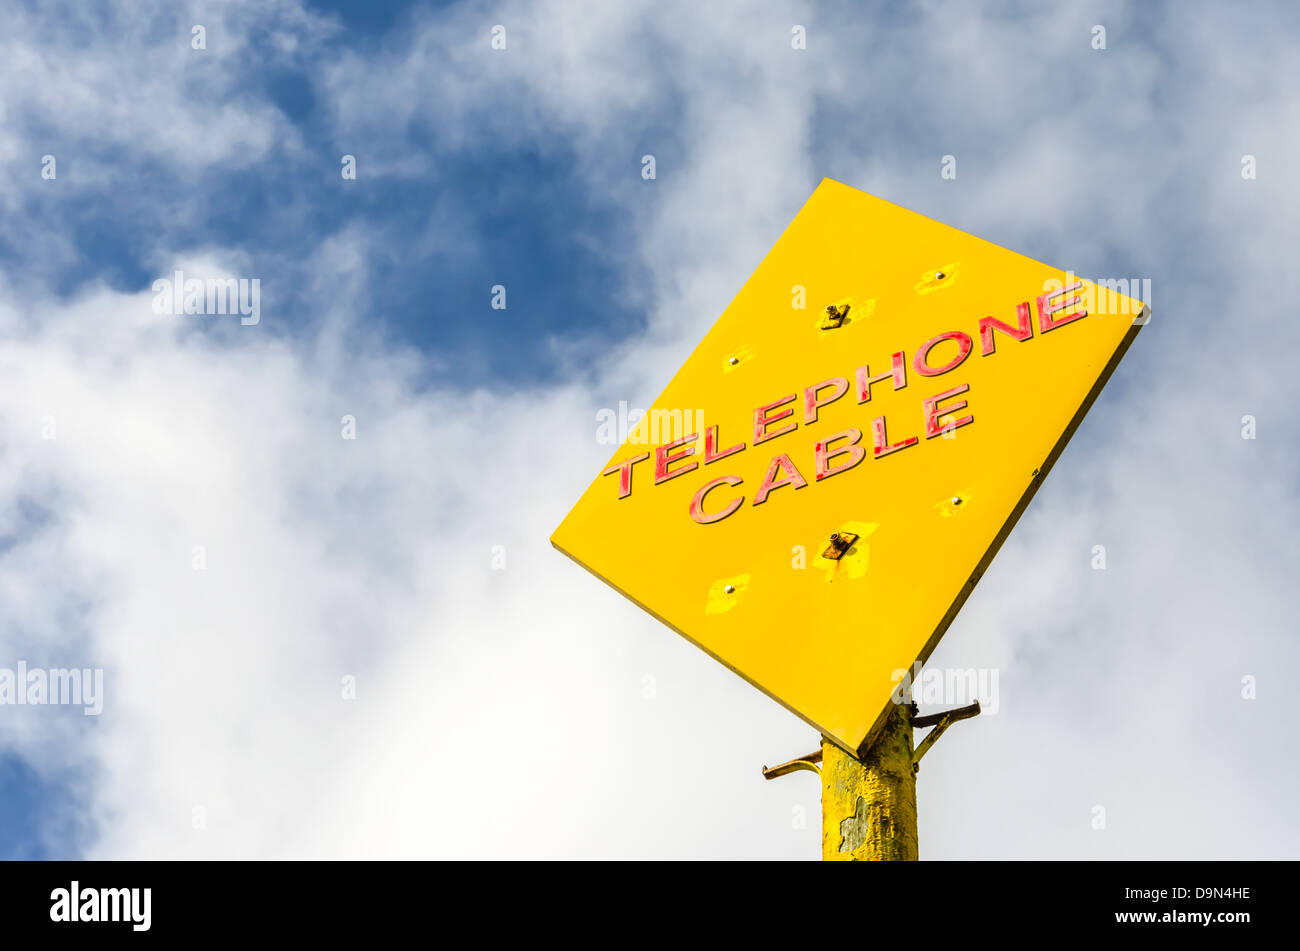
(817, 491)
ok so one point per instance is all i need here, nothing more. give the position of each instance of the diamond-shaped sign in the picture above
(819, 488)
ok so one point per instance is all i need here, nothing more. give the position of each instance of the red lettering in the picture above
(1046, 310)
(899, 373)
(882, 446)
(711, 446)
(770, 481)
(839, 387)
(963, 348)
(664, 457)
(624, 469)
(697, 503)
(824, 454)
(762, 420)
(932, 411)
(1021, 332)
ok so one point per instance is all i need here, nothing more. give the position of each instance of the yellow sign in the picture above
(817, 491)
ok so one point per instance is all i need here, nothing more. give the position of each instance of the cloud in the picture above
(527, 710)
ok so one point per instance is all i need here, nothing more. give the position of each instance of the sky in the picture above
(325, 647)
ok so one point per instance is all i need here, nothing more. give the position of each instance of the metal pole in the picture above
(869, 806)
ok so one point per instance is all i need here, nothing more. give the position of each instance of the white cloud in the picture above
(501, 713)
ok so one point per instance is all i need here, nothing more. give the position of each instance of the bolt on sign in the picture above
(879, 404)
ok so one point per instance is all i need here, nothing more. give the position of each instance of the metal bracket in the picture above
(940, 722)
(808, 762)
(840, 542)
(834, 316)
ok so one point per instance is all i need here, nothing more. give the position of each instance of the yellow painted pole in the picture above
(869, 806)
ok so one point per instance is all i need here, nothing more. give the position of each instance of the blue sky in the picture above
(522, 167)
(519, 210)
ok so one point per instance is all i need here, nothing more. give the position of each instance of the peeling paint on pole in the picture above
(869, 806)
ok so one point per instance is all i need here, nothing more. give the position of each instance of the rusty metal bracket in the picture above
(840, 542)
(834, 316)
(940, 722)
(808, 762)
